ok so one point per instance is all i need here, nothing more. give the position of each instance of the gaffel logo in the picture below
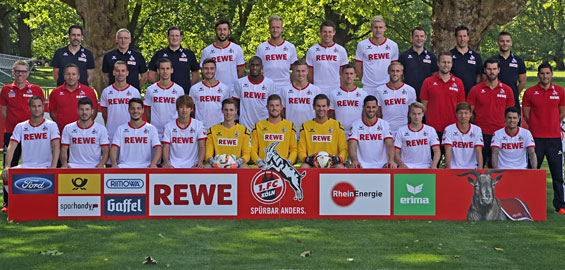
(124, 206)
(413, 199)
(344, 194)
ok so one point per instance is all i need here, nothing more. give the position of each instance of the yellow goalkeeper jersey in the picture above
(235, 140)
(329, 137)
(265, 133)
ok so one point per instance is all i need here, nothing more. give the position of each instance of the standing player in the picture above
(463, 141)
(74, 54)
(346, 104)
(466, 62)
(544, 109)
(488, 101)
(374, 55)
(370, 140)
(394, 98)
(135, 141)
(277, 54)
(161, 97)
(322, 134)
(325, 59)
(184, 139)
(115, 98)
(271, 130)
(63, 100)
(299, 96)
(228, 56)
(512, 145)
(85, 140)
(512, 67)
(229, 137)
(252, 93)
(414, 141)
(418, 62)
(135, 63)
(208, 95)
(183, 61)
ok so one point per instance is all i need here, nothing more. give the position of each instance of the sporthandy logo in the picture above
(415, 194)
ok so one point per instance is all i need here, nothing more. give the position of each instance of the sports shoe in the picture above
(561, 211)
(5, 209)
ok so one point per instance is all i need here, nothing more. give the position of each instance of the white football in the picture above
(322, 160)
(225, 161)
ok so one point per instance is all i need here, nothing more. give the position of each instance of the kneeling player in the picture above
(272, 130)
(414, 141)
(511, 143)
(184, 139)
(322, 134)
(463, 141)
(370, 139)
(135, 140)
(228, 137)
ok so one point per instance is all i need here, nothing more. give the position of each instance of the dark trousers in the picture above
(15, 161)
(551, 149)
(487, 152)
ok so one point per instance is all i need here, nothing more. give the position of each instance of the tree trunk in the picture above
(5, 41)
(102, 18)
(479, 16)
(24, 36)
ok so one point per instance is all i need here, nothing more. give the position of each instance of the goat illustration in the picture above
(484, 205)
(278, 164)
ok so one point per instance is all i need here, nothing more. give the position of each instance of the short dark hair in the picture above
(418, 28)
(229, 101)
(85, 101)
(31, 99)
(545, 65)
(511, 109)
(463, 106)
(220, 22)
(461, 27)
(163, 60)
(320, 97)
(173, 28)
(70, 66)
(446, 53)
(348, 65)
(491, 60)
(209, 60)
(369, 98)
(299, 62)
(504, 33)
(327, 23)
(185, 100)
(255, 58)
(121, 62)
(274, 97)
(135, 100)
(76, 26)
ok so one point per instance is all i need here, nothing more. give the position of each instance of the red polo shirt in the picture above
(65, 103)
(544, 114)
(442, 98)
(16, 101)
(490, 105)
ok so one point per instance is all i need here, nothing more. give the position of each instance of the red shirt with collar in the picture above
(442, 98)
(490, 105)
(544, 115)
(65, 103)
(16, 100)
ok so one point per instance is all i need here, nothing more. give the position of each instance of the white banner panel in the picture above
(79, 206)
(124, 184)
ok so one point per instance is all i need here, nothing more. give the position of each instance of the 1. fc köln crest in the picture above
(268, 185)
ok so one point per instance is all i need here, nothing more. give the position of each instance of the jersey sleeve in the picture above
(526, 98)
(424, 95)
(411, 96)
(193, 62)
(203, 56)
(104, 99)
(353, 134)
(237, 90)
(4, 96)
(141, 64)
(94, 98)
(447, 138)
(495, 142)
(344, 58)
(386, 131)
(117, 140)
(359, 53)
(302, 145)
(246, 147)
(55, 61)
(239, 58)
(17, 134)
(106, 65)
(342, 143)
(153, 62)
(434, 67)
(89, 60)
(461, 92)
(292, 55)
(479, 64)
(310, 58)
(254, 144)
(53, 101)
(284, 94)
(561, 97)
(66, 136)
(54, 132)
(521, 67)
(103, 136)
(147, 98)
(529, 140)
(155, 140)
(479, 138)
(398, 140)
(471, 97)
(434, 139)
(333, 104)
(166, 139)
(509, 97)
(202, 133)
(394, 54)
(260, 52)
(293, 147)
(210, 144)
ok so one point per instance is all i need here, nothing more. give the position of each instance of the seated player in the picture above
(346, 101)
(135, 141)
(463, 141)
(370, 139)
(39, 138)
(322, 134)
(184, 139)
(272, 130)
(84, 140)
(511, 144)
(414, 141)
(228, 137)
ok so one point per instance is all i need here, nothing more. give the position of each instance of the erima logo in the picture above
(414, 190)
(414, 200)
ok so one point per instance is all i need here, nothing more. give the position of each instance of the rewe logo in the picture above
(414, 194)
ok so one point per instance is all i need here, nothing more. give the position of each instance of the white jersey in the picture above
(163, 104)
(227, 60)
(85, 144)
(36, 142)
(415, 146)
(326, 62)
(277, 61)
(253, 100)
(394, 104)
(513, 149)
(136, 145)
(463, 155)
(371, 149)
(116, 102)
(348, 105)
(208, 102)
(299, 103)
(184, 142)
(376, 58)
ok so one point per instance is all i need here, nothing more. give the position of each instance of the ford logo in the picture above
(125, 183)
(33, 184)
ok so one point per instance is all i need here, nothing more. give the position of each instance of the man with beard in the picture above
(135, 63)
(512, 67)
(419, 63)
(466, 62)
(75, 54)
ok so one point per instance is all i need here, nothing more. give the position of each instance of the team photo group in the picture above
(456, 110)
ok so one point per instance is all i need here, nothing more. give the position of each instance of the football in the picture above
(322, 160)
(225, 161)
